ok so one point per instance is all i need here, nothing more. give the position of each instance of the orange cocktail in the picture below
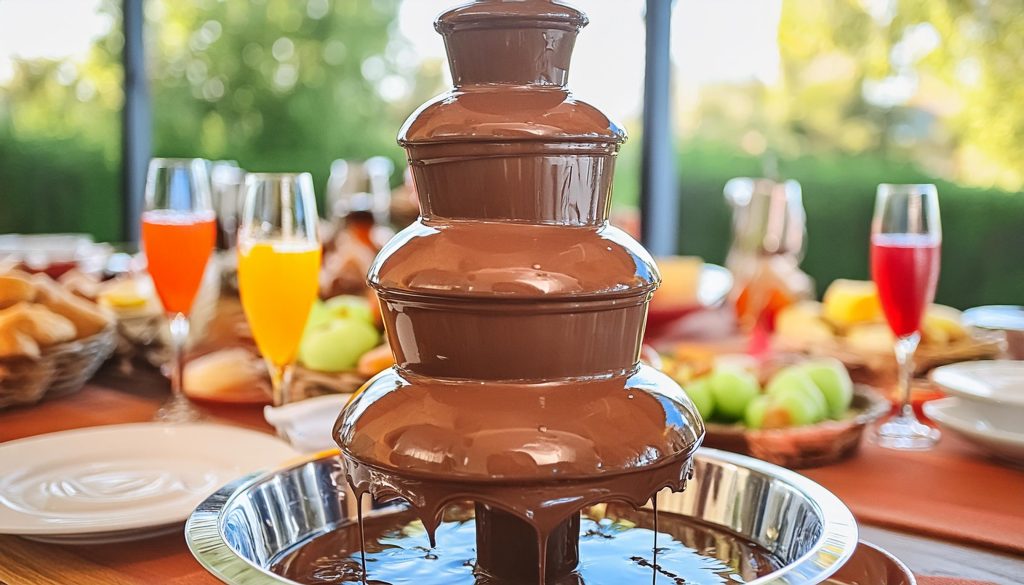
(278, 267)
(178, 245)
(278, 282)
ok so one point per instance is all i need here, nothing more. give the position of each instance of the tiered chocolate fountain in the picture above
(515, 311)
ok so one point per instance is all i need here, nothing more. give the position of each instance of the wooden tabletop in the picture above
(115, 397)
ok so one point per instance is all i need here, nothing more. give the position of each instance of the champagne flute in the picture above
(906, 239)
(178, 234)
(278, 267)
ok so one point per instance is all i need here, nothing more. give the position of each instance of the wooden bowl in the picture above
(814, 445)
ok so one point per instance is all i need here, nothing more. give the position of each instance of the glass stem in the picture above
(280, 382)
(905, 348)
(179, 336)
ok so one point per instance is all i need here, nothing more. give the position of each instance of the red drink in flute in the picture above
(906, 239)
(905, 267)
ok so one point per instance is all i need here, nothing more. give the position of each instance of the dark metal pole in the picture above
(135, 121)
(659, 193)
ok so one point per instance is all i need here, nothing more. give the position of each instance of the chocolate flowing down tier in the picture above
(498, 301)
(523, 154)
(499, 432)
(515, 312)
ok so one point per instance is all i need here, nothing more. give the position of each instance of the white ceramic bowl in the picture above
(993, 389)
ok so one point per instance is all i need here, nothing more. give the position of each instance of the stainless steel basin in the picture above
(241, 530)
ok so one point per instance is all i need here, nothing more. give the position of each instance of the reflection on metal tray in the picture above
(247, 526)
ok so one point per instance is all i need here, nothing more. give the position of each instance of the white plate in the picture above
(995, 381)
(107, 537)
(114, 482)
(978, 427)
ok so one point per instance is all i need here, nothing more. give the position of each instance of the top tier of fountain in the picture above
(533, 152)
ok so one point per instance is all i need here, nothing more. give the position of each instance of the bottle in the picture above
(359, 200)
(769, 233)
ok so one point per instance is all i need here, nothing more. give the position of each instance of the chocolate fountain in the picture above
(515, 311)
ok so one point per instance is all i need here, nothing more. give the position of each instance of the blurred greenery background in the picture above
(838, 94)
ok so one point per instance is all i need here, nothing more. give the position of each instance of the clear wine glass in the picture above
(906, 242)
(278, 267)
(178, 235)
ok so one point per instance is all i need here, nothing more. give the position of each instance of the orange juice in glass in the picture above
(278, 281)
(278, 267)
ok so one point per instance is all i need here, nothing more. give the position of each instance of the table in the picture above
(116, 397)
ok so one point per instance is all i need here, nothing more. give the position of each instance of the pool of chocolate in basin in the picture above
(617, 547)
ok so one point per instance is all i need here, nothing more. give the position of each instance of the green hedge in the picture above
(58, 185)
(983, 230)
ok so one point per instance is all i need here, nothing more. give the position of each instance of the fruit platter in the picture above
(848, 324)
(341, 348)
(792, 411)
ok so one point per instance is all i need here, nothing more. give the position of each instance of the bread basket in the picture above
(61, 369)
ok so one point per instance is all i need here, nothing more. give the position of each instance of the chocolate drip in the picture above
(515, 311)
(362, 534)
(512, 550)
(654, 547)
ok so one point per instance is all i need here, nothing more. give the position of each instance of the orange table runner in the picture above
(953, 492)
(96, 405)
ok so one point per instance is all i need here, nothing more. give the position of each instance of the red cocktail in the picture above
(905, 241)
(905, 267)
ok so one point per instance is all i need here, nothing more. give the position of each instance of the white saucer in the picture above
(976, 426)
(122, 482)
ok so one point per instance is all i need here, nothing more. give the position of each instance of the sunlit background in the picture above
(839, 94)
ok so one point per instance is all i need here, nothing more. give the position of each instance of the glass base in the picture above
(178, 409)
(906, 433)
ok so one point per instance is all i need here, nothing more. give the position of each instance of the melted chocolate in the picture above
(515, 312)
(519, 432)
(616, 547)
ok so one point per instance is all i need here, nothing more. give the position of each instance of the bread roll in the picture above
(14, 343)
(16, 287)
(41, 324)
(87, 317)
(229, 375)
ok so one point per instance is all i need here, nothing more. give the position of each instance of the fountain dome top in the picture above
(488, 14)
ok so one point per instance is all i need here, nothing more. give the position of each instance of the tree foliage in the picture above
(933, 83)
(273, 84)
(280, 84)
